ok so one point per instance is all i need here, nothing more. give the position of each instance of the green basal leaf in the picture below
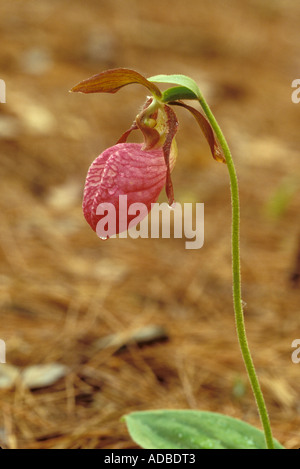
(190, 429)
(177, 92)
(181, 80)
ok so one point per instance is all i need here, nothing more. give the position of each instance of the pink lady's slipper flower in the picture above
(128, 174)
(131, 173)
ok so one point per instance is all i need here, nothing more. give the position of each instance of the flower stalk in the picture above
(236, 272)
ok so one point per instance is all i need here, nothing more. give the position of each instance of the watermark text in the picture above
(296, 353)
(2, 91)
(296, 92)
(179, 221)
(2, 351)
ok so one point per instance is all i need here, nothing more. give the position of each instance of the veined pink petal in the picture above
(124, 169)
(92, 184)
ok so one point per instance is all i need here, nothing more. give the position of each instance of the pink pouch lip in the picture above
(123, 169)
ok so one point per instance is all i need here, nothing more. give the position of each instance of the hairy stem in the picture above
(236, 270)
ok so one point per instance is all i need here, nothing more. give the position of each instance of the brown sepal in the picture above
(207, 130)
(110, 81)
(172, 126)
(126, 134)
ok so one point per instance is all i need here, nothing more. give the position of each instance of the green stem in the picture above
(236, 270)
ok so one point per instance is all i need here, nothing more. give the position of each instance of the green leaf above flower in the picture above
(177, 92)
(181, 80)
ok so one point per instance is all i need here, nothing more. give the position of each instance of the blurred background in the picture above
(95, 329)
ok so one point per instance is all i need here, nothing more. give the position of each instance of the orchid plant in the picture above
(141, 171)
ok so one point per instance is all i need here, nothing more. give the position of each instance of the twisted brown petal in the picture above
(207, 130)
